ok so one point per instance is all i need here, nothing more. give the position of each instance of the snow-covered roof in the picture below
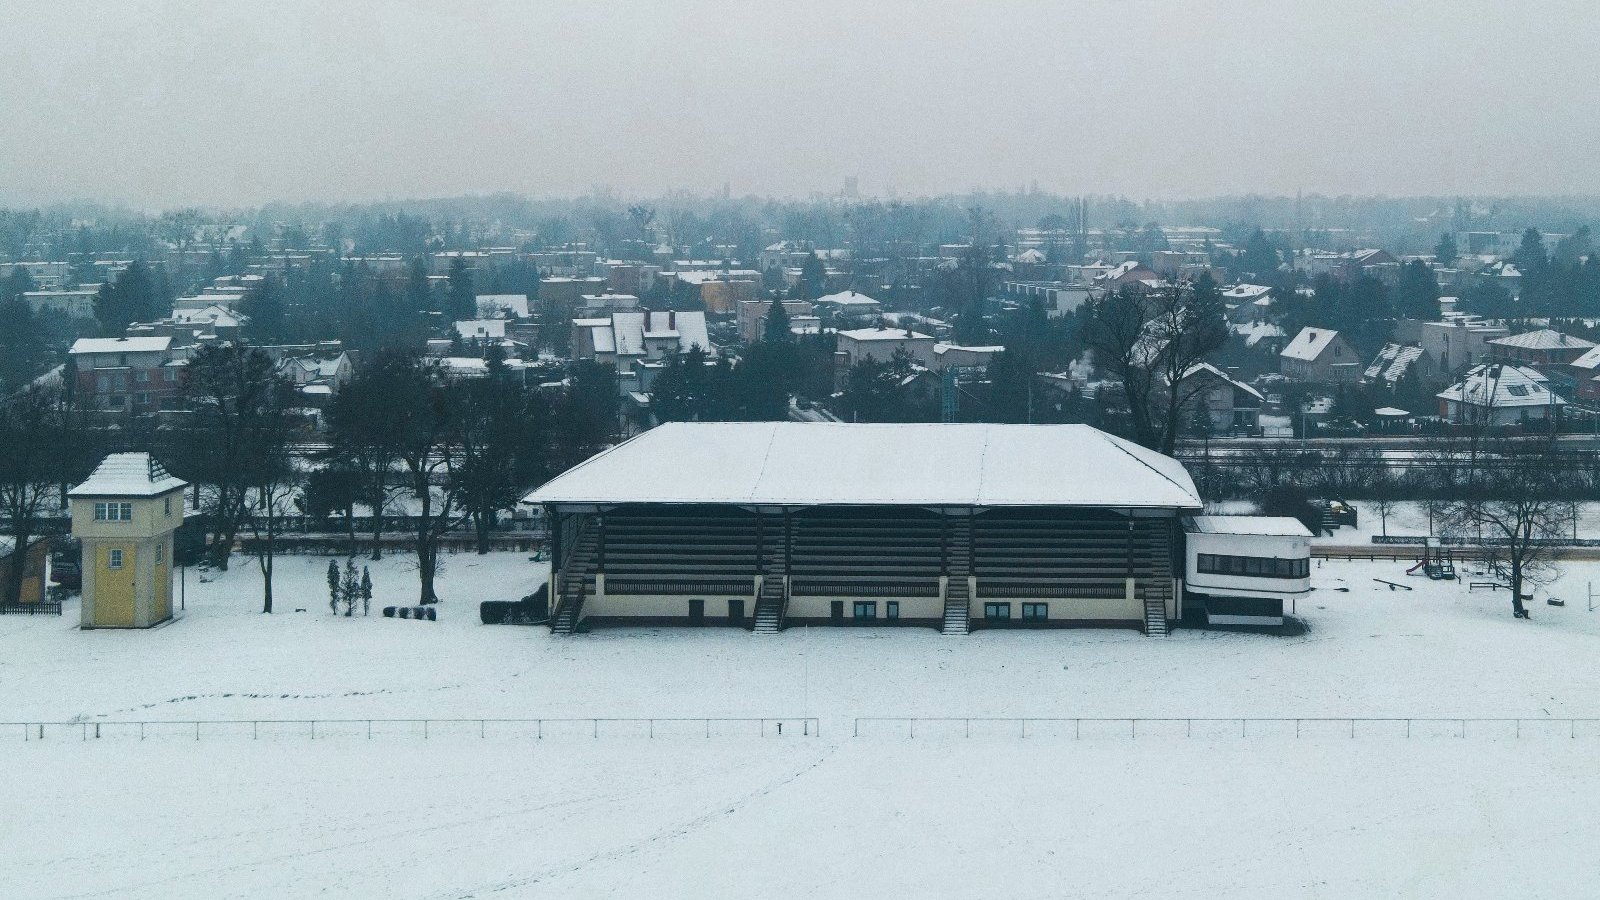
(1391, 412)
(1393, 361)
(1543, 339)
(1589, 360)
(516, 304)
(481, 328)
(1500, 386)
(1031, 255)
(1309, 344)
(1247, 293)
(128, 475)
(1255, 332)
(815, 464)
(1275, 526)
(884, 334)
(121, 345)
(1213, 371)
(848, 298)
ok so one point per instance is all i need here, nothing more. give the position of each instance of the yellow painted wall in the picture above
(113, 588)
(161, 607)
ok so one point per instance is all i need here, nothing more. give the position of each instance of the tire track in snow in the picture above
(669, 832)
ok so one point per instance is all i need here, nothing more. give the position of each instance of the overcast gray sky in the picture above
(164, 103)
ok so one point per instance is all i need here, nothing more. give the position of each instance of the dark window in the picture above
(891, 609)
(997, 610)
(1251, 566)
(1035, 611)
(866, 609)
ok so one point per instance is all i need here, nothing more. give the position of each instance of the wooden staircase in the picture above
(957, 594)
(773, 599)
(576, 577)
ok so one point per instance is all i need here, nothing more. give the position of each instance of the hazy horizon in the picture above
(160, 104)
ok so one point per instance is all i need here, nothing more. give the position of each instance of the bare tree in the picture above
(1515, 501)
(275, 479)
(1155, 342)
(37, 455)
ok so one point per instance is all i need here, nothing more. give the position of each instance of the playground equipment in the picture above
(1437, 563)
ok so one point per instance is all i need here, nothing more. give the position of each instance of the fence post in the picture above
(197, 730)
(97, 731)
(313, 729)
(424, 729)
(480, 729)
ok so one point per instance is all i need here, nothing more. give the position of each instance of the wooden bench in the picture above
(1491, 585)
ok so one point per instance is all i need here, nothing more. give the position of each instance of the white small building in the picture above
(1240, 570)
(881, 344)
(502, 306)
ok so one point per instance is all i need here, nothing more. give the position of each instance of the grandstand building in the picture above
(955, 526)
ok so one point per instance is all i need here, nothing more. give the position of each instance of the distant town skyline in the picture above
(161, 104)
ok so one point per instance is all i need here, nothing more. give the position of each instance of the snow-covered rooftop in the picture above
(1543, 339)
(1277, 526)
(1309, 344)
(1499, 386)
(884, 334)
(121, 345)
(815, 464)
(847, 298)
(128, 475)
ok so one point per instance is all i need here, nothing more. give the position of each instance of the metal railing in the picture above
(322, 729)
(1234, 727)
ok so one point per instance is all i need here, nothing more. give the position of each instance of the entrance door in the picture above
(836, 610)
(736, 612)
(697, 612)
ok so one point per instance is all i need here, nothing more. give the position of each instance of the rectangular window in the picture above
(114, 558)
(113, 512)
(166, 505)
(891, 609)
(160, 548)
(1252, 566)
(997, 610)
(142, 376)
(866, 609)
(1035, 611)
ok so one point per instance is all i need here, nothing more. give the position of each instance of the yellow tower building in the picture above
(125, 515)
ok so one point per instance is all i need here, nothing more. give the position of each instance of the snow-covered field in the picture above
(832, 816)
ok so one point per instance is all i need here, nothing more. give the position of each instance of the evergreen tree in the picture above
(1444, 252)
(334, 582)
(813, 278)
(1417, 292)
(366, 591)
(775, 330)
(264, 306)
(462, 300)
(419, 290)
(131, 297)
(350, 587)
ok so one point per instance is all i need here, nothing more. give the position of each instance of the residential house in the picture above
(848, 306)
(1459, 341)
(638, 343)
(1320, 355)
(1395, 361)
(752, 316)
(861, 344)
(1226, 403)
(1248, 303)
(128, 374)
(1495, 394)
(1540, 348)
(77, 304)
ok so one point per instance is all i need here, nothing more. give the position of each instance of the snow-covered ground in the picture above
(832, 816)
